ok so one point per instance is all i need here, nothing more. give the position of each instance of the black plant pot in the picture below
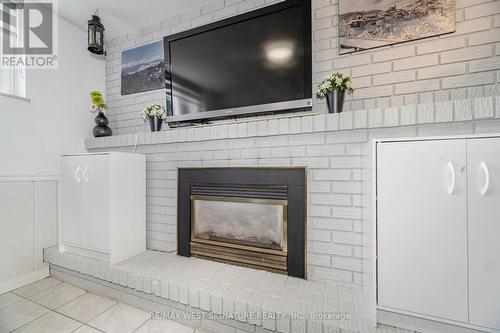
(155, 123)
(102, 128)
(335, 101)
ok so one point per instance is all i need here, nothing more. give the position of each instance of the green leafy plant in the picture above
(98, 103)
(336, 81)
(154, 110)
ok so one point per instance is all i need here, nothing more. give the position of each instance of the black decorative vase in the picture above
(335, 101)
(102, 128)
(155, 123)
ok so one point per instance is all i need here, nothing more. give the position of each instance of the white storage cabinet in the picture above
(103, 205)
(438, 229)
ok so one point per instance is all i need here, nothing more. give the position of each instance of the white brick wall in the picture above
(398, 90)
(402, 74)
(332, 155)
(454, 66)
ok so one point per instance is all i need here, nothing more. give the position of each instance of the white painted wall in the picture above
(34, 134)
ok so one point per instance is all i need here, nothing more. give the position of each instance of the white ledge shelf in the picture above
(481, 108)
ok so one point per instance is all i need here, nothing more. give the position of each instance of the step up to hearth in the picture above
(238, 297)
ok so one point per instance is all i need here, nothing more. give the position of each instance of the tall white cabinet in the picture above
(438, 229)
(103, 205)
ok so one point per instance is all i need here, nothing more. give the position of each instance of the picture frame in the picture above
(143, 68)
(368, 24)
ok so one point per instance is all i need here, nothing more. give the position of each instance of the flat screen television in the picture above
(254, 62)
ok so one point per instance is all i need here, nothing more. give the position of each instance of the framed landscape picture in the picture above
(366, 24)
(143, 69)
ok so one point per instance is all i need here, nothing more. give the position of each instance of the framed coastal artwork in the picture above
(367, 24)
(143, 69)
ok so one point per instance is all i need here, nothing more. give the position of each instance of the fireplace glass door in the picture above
(256, 224)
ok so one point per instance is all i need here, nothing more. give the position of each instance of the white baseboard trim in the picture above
(86, 252)
(23, 280)
(424, 325)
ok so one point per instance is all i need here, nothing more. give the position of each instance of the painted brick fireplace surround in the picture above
(330, 146)
(435, 86)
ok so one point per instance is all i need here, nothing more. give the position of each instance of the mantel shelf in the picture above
(472, 109)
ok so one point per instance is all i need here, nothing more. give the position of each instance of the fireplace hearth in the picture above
(252, 217)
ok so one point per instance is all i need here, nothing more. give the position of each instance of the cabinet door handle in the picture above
(451, 189)
(77, 174)
(486, 186)
(86, 174)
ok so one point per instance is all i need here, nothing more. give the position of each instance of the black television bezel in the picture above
(251, 109)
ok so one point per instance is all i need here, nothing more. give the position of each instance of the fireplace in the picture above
(253, 217)
(250, 231)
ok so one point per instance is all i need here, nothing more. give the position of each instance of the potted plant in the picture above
(156, 115)
(334, 88)
(98, 105)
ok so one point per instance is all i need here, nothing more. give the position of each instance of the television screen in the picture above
(247, 65)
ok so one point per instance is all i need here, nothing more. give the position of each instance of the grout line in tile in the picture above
(87, 293)
(51, 310)
(17, 301)
(144, 323)
(55, 310)
(14, 291)
(117, 301)
(45, 314)
(88, 323)
(88, 326)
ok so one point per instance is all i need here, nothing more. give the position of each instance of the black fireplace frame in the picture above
(295, 180)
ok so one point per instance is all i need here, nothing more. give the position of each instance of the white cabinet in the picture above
(438, 228)
(86, 201)
(483, 165)
(96, 201)
(103, 199)
(422, 239)
(71, 199)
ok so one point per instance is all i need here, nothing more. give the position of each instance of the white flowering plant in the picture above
(336, 81)
(154, 110)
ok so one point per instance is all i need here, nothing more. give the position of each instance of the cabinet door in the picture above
(422, 227)
(71, 200)
(483, 165)
(95, 202)
(16, 229)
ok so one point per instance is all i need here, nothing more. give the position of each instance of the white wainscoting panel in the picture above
(28, 224)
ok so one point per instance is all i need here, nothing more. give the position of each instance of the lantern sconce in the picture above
(96, 35)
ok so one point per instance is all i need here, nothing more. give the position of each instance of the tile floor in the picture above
(52, 306)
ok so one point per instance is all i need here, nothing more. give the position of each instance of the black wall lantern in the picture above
(96, 35)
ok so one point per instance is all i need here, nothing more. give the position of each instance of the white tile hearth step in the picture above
(257, 299)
